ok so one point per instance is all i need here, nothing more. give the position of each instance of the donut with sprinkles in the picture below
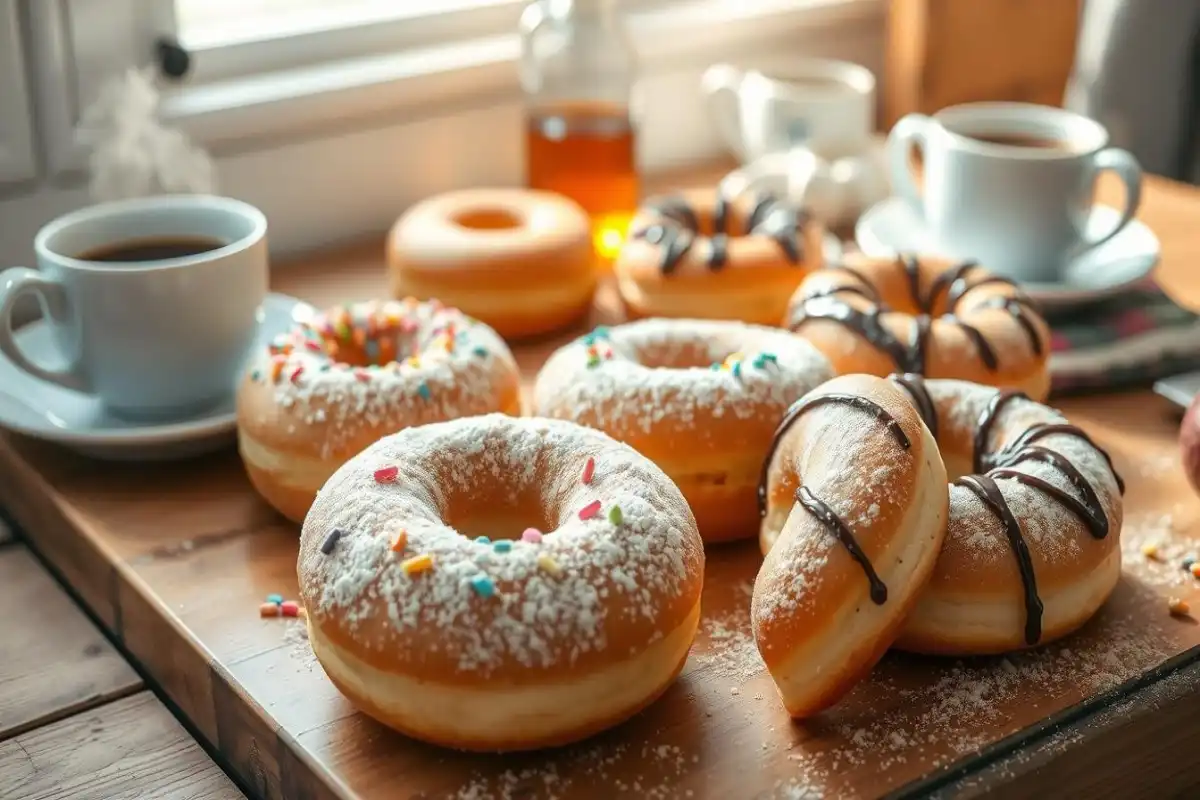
(342, 378)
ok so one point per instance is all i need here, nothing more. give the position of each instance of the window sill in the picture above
(249, 113)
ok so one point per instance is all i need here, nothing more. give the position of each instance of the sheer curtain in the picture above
(1137, 71)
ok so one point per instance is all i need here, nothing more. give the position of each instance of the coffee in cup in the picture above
(1010, 184)
(152, 302)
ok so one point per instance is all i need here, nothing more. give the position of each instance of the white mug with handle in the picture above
(1010, 184)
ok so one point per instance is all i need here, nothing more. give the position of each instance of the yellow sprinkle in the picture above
(400, 542)
(1179, 608)
(276, 368)
(1150, 551)
(417, 564)
(414, 362)
(549, 565)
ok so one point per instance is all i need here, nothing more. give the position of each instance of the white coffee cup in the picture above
(825, 106)
(152, 339)
(1010, 184)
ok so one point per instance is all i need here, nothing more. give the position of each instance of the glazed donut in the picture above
(699, 398)
(342, 378)
(703, 256)
(517, 259)
(435, 613)
(926, 316)
(854, 514)
(1032, 547)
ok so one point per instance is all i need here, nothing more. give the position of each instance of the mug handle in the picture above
(912, 129)
(1125, 165)
(720, 84)
(15, 283)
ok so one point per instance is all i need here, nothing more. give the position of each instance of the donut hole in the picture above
(475, 511)
(683, 353)
(487, 219)
(360, 350)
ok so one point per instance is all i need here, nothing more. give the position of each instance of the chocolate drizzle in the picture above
(915, 386)
(1001, 464)
(914, 356)
(831, 520)
(814, 505)
(680, 228)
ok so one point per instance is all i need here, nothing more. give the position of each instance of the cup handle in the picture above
(1125, 165)
(912, 129)
(19, 281)
(720, 84)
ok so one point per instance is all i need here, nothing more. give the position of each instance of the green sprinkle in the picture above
(769, 357)
(593, 361)
(615, 516)
(601, 331)
(483, 540)
(502, 546)
(423, 390)
(716, 365)
(483, 586)
(277, 599)
(760, 363)
(256, 375)
(480, 351)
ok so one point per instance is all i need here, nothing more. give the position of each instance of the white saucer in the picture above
(1107, 270)
(80, 422)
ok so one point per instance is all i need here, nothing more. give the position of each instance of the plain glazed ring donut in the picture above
(699, 398)
(517, 259)
(1032, 548)
(854, 515)
(497, 583)
(701, 255)
(341, 379)
(925, 316)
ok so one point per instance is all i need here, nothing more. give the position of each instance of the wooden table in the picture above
(76, 721)
(174, 562)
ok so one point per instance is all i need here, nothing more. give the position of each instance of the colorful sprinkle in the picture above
(268, 610)
(362, 375)
(737, 369)
(502, 546)
(256, 375)
(483, 585)
(313, 346)
(277, 368)
(423, 390)
(290, 608)
(615, 516)
(716, 365)
(483, 540)
(413, 361)
(760, 362)
(590, 510)
(771, 357)
(593, 361)
(1150, 551)
(480, 351)
(531, 535)
(589, 469)
(331, 541)
(372, 350)
(387, 474)
(549, 565)
(1195, 570)
(1178, 607)
(400, 542)
(417, 564)
(275, 598)
(1188, 561)
(296, 373)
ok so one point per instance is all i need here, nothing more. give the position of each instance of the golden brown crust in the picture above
(1008, 325)
(519, 260)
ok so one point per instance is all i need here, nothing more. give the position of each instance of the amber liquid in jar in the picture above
(586, 151)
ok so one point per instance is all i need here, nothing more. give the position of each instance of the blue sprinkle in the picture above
(483, 540)
(326, 367)
(372, 349)
(502, 546)
(423, 390)
(737, 369)
(601, 331)
(277, 599)
(483, 586)
(480, 351)
(1187, 562)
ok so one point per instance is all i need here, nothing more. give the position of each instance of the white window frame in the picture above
(17, 159)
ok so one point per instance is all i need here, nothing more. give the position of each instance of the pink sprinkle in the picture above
(590, 510)
(311, 345)
(589, 469)
(362, 375)
(296, 374)
(290, 608)
(386, 475)
(531, 535)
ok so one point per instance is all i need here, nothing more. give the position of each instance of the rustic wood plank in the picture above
(182, 578)
(56, 663)
(128, 750)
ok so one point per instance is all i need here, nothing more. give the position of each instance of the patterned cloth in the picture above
(1126, 342)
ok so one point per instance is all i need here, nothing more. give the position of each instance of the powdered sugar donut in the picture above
(341, 379)
(496, 583)
(699, 398)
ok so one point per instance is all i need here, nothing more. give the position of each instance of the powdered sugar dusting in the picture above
(536, 619)
(624, 396)
(443, 364)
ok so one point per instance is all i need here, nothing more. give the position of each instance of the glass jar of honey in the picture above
(578, 72)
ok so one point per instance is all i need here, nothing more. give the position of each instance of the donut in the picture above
(854, 514)
(519, 260)
(1032, 546)
(699, 398)
(497, 583)
(926, 316)
(701, 255)
(344, 377)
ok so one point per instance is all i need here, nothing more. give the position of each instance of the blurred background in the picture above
(334, 116)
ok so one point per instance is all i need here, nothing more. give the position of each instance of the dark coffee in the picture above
(139, 250)
(1021, 140)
